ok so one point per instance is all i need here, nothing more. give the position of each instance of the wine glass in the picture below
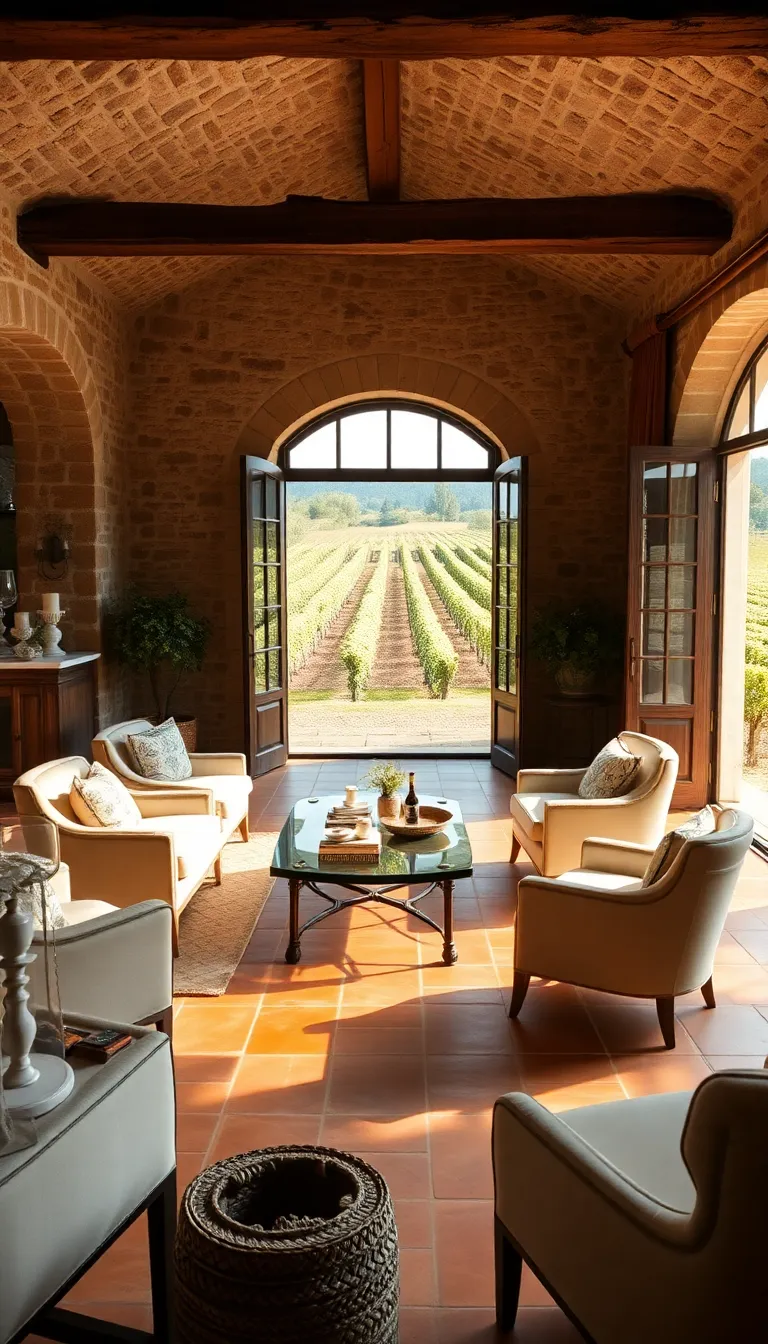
(8, 596)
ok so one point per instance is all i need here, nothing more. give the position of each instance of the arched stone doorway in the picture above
(51, 403)
(714, 357)
(398, 377)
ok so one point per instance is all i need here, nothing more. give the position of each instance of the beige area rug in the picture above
(216, 925)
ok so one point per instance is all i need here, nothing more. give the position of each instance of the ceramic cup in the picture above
(350, 795)
(363, 828)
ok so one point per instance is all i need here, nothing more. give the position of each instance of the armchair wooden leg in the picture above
(515, 848)
(708, 994)
(217, 870)
(161, 1219)
(665, 1007)
(244, 828)
(509, 1267)
(519, 990)
(165, 1022)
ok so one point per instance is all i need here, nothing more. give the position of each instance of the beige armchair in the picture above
(109, 959)
(645, 1219)
(166, 857)
(599, 927)
(550, 821)
(223, 773)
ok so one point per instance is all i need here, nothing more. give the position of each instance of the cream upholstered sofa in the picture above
(224, 774)
(599, 927)
(164, 858)
(550, 821)
(110, 962)
(645, 1219)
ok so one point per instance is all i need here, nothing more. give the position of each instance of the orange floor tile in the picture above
(371, 1044)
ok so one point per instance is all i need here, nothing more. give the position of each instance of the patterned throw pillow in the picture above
(611, 773)
(670, 844)
(160, 753)
(101, 799)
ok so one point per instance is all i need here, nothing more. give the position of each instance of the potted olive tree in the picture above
(576, 644)
(160, 637)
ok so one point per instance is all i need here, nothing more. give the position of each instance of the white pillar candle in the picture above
(51, 602)
(21, 621)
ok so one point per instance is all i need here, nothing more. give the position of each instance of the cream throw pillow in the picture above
(160, 753)
(670, 844)
(101, 799)
(611, 773)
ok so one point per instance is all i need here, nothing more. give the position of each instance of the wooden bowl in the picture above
(431, 820)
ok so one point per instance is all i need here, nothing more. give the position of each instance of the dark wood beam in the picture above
(381, 94)
(661, 224)
(387, 30)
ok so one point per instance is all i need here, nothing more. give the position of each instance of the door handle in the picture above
(632, 660)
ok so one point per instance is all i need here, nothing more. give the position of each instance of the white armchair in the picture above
(111, 963)
(223, 773)
(550, 821)
(598, 926)
(645, 1219)
(165, 857)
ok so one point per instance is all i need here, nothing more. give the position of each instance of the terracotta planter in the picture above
(572, 681)
(389, 807)
(187, 726)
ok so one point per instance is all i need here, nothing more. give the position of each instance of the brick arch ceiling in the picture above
(713, 355)
(444, 385)
(49, 396)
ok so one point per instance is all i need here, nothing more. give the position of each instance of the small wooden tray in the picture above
(431, 820)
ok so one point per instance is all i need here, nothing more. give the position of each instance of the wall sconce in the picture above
(52, 553)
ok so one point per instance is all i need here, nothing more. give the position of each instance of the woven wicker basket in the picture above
(290, 1245)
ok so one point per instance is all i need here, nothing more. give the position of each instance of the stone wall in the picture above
(206, 360)
(64, 385)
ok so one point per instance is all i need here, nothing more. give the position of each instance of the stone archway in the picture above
(49, 395)
(430, 380)
(713, 353)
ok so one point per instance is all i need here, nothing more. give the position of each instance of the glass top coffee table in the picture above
(436, 861)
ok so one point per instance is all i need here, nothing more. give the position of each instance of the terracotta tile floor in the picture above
(371, 1044)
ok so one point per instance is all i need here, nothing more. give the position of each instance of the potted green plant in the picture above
(575, 643)
(387, 777)
(160, 637)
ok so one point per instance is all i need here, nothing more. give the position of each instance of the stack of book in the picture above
(340, 842)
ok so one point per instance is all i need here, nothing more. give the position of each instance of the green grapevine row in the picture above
(306, 628)
(439, 660)
(307, 561)
(478, 588)
(473, 620)
(301, 593)
(473, 560)
(358, 649)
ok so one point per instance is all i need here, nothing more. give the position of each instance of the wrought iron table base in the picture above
(364, 896)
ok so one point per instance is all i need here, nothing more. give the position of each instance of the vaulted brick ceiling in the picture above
(253, 131)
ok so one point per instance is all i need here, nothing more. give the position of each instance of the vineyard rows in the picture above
(324, 579)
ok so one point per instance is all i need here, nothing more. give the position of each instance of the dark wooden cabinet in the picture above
(47, 710)
(577, 728)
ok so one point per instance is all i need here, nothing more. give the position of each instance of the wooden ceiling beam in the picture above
(381, 96)
(639, 223)
(387, 30)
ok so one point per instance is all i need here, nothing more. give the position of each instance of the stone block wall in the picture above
(204, 362)
(64, 386)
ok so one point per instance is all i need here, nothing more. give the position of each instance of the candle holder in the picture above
(50, 637)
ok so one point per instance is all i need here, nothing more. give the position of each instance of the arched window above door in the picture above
(389, 439)
(748, 412)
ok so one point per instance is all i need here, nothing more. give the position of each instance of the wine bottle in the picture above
(411, 806)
